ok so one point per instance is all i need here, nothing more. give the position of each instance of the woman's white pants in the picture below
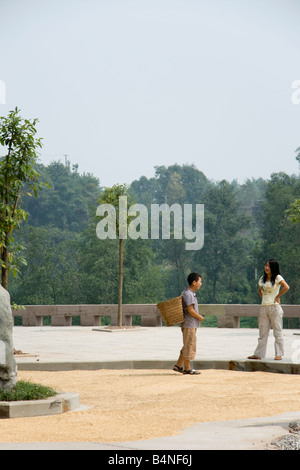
(270, 316)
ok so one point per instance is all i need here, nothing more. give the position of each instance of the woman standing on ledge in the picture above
(271, 287)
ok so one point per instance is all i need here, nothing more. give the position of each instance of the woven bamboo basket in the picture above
(171, 311)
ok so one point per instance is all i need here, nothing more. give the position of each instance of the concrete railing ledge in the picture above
(228, 315)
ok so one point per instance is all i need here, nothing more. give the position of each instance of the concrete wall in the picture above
(228, 315)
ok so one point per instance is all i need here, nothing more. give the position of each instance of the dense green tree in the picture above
(68, 203)
(244, 225)
(17, 174)
(173, 184)
(99, 260)
(52, 274)
(293, 212)
(225, 250)
(280, 237)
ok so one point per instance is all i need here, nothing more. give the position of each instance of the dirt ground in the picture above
(125, 405)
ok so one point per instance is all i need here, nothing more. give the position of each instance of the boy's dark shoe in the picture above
(191, 372)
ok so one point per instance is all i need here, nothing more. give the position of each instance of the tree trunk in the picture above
(4, 258)
(214, 290)
(120, 282)
(4, 270)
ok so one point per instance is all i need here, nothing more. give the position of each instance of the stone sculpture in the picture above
(8, 366)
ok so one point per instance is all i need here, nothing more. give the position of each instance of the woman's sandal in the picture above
(254, 357)
(191, 371)
(178, 369)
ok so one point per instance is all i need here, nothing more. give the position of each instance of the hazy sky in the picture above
(121, 86)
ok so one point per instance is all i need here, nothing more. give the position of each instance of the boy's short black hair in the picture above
(193, 277)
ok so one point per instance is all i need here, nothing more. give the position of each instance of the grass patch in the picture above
(25, 390)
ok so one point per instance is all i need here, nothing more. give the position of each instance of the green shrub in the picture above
(25, 390)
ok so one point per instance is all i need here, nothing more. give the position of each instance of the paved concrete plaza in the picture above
(87, 347)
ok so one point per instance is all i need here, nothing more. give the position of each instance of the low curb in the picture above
(60, 403)
(273, 366)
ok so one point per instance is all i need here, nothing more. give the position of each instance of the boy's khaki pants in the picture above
(270, 316)
(188, 351)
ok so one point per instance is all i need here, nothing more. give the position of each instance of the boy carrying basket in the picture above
(189, 325)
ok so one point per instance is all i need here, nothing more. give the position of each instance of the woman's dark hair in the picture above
(274, 266)
(193, 277)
